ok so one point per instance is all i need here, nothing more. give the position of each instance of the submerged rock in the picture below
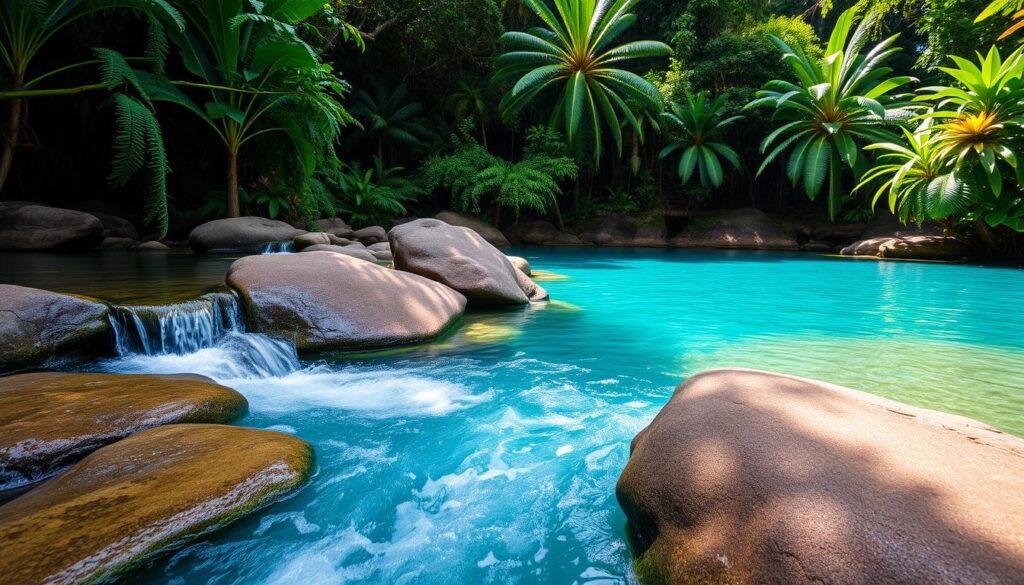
(49, 420)
(28, 226)
(245, 234)
(752, 477)
(487, 231)
(457, 257)
(355, 251)
(747, 229)
(154, 491)
(325, 300)
(36, 325)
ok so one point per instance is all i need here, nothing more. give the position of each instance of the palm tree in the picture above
(259, 78)
(26, 28)
(701, 123)
(838, 103)
(919, 180)
(389, 117)
(469, 99)
(576, 56)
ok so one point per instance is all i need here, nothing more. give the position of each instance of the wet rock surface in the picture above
(753, 477)
(132, 500)
(28, 226)
(240, 234)
(36, 325)
(50, 420)
(459, 258)
(325, 300)
(493, 235)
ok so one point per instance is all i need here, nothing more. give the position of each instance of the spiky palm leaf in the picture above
(576, 56)
(701, 124)
(837, 105)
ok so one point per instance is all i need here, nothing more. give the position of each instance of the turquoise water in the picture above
(492, 455)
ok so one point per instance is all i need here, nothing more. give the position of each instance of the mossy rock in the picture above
(49, 420)
(150, 493)
(36, 325)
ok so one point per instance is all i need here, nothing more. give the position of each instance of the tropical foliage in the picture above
(576, 55)
(472, 174)
(372, 196)
(700, 122)
(838, 104)
(389, 118)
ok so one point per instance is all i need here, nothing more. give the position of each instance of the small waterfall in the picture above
(277, 248)
(212, 323)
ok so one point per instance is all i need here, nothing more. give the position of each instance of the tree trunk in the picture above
(11, 132)
(483, 133)
(558, 215)
(234, 209)
(497, 215)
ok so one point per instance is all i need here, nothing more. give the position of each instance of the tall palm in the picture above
(388, 118)
(576, 56)
(26, 27)
(258, 77)
(469, 99)
(838, 103)
(700, 122)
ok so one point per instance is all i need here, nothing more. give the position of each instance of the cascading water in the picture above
(277, 248)
(212, 326)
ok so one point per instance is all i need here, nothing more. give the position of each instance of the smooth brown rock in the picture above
(153, 246)
(522, 264)
(910, 248)
(747, 229)
(354, 251)
(49, 420)
(537, 232)
(149, 493)
(753, 477)
(116, 227)
(534, 291)
(245, 234)
(324, 300)
(371, 235)
(459, 258)
(36, 325)
(314, 239)
(28, 226)
(334, 226)
(487, 231)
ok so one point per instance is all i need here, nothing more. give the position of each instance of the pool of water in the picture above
(491, 455)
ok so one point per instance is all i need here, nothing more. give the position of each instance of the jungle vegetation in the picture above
(180, 111)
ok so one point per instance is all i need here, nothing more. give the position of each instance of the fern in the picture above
(138, 146)
(116, 74)
(158, 46)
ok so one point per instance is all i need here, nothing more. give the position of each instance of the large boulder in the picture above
(27, 226)
(36, 325)
(240, 234)
(355, 251)
(324, 300)
(49, 420)
(522, 264)
(457, 257)
(537, 232)
(116, 227)
(752, 477)
(748, 229)
(371, 235)
(335, 226)
(614, 229)
(490, 233)
(910, 248)
(144, 495)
